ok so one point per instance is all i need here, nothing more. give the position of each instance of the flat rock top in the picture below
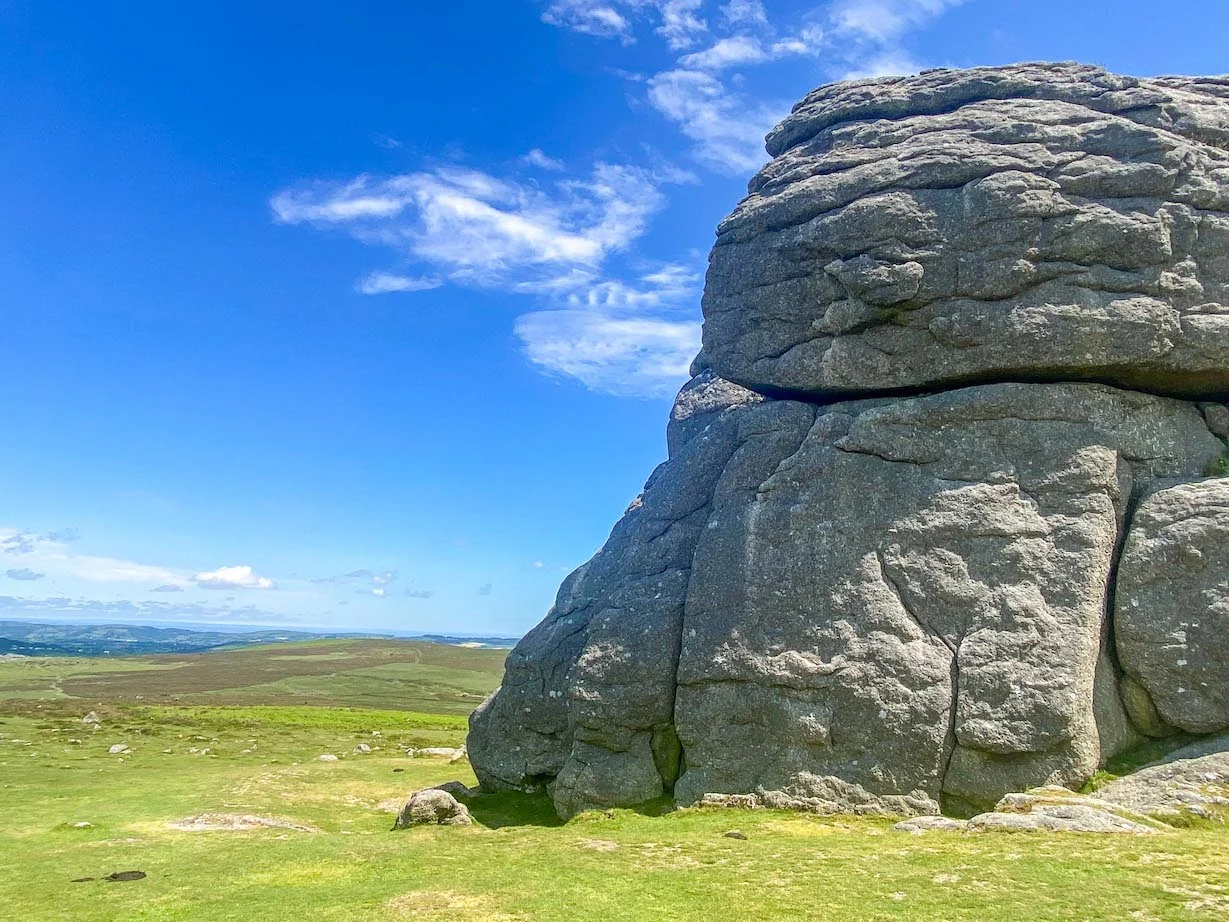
(1043, 222)
(1197, 107)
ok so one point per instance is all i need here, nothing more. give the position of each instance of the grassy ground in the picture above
(517, 863)
(406, 675)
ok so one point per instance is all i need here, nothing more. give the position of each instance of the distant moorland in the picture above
(45, 639)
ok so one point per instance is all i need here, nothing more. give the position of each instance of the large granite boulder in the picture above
(901, 602)
(1041, 222)
(1172, 605)
(914, 600)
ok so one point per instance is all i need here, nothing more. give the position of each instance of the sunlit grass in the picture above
(518, 862)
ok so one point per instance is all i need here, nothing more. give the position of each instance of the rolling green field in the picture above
(240, 732)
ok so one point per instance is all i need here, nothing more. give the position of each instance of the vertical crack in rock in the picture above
(949, 741)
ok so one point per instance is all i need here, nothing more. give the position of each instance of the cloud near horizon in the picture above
(239, 577)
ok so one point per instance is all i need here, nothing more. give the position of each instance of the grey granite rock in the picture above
(1055, 809)
(898, 602)
(433, 807)
(921, 824)
(1035, 222)
(1172, 604)
(1193, 781)
(587, 702)
(913, 602)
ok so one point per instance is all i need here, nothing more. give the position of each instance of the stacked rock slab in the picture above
(967, 338)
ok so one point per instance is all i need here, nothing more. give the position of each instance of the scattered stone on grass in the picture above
(235, 822)
(438, 752)
(920, 824)
(119, 749)
(433, 807)
(126, 875)
(362, 748)
(735, 834)
(91, 718)
(327, 757)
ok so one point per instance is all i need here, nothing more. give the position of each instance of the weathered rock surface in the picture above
(913, 601)
(1055, 809)
(1172, 608)
(921, 824)
(901, 603)
(1040, 222)
(1190, 782)
(236, 822)
(433, 807)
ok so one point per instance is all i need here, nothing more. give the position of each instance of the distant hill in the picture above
(125, 639)
(498, 643)
(38, 639)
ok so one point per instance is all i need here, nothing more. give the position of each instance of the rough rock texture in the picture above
(901, 603)
(1055, 809)
(1059, 818)
(913, 601)
(1172, 609)
(433, 807)
(921, 824)
(1193, 781)
(1040, 222)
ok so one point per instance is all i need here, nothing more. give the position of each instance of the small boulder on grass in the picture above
(921, 824)
(433, 807)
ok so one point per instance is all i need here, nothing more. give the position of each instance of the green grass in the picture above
(518, 863)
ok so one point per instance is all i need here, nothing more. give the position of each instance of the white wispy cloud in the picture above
(238, 577)
(727, 52)
(553, 242)
(52, 555)
(676, 21)
(380, 283)
(616, 354)
(705, 93)
(538, 158)
(727, 127)
(478, 228)
(569, 241)
(886, 21)
(744, 12)
(602, 20)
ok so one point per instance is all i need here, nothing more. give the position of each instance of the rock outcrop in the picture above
(1193, 781)
(1037, 222)
(433, 807)
(966, 339)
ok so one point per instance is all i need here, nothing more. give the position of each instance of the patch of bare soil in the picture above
(235, 822)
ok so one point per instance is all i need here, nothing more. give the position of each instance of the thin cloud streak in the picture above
(554, 243)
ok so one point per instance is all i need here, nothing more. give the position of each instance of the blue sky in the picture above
(368, 315)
